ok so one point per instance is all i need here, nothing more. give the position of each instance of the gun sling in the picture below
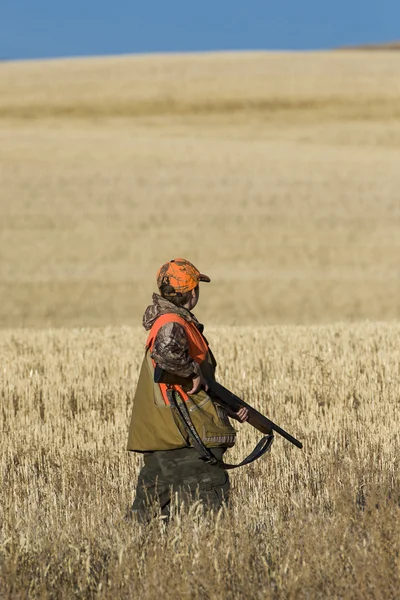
(228, 400)
(182, 413)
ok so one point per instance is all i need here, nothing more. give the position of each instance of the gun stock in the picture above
(227, 399)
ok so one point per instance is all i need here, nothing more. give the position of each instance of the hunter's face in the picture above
(194, 298)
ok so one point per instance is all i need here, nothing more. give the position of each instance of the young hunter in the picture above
(176, 344)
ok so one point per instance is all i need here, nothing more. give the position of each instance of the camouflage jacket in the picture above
(171, 349)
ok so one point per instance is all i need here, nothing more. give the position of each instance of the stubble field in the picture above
(318, 523)
(278, 174)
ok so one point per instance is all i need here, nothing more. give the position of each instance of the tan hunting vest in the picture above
(153, 424)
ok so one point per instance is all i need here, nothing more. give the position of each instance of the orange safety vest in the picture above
(198, 348)
(153, 426)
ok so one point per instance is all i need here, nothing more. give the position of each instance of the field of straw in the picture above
(278, 175)
(322, 522)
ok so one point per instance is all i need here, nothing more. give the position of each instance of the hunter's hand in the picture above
(197, 383)
(242, 415)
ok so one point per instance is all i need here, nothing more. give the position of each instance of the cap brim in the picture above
(204, 278)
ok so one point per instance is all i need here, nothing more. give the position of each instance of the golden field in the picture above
(278, 175)
(322, 522)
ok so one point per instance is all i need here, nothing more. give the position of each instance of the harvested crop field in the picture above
(318, 523)
(276, 174)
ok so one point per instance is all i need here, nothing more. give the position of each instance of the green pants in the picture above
(180, 472)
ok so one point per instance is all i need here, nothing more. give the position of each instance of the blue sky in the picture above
(52, 28)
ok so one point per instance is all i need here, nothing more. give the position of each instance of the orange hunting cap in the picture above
(179, 276)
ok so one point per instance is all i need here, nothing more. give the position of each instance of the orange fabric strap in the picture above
(198, 348)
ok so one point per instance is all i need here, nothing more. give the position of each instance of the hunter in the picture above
(176, 345)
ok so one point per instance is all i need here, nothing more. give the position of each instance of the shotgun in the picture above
(227, 400)
(230, 401)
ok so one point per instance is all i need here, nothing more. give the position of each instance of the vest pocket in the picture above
(198, 402)
(218, 436)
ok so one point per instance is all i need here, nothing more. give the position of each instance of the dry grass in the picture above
(340, 84)
(318, 523)
(381, 47)
(276, 173)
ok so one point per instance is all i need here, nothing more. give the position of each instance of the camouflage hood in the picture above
(161, 306)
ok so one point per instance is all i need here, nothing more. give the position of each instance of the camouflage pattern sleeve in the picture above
(171, 351)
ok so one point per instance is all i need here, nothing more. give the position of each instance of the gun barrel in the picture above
(256, 419)
(226, 398)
